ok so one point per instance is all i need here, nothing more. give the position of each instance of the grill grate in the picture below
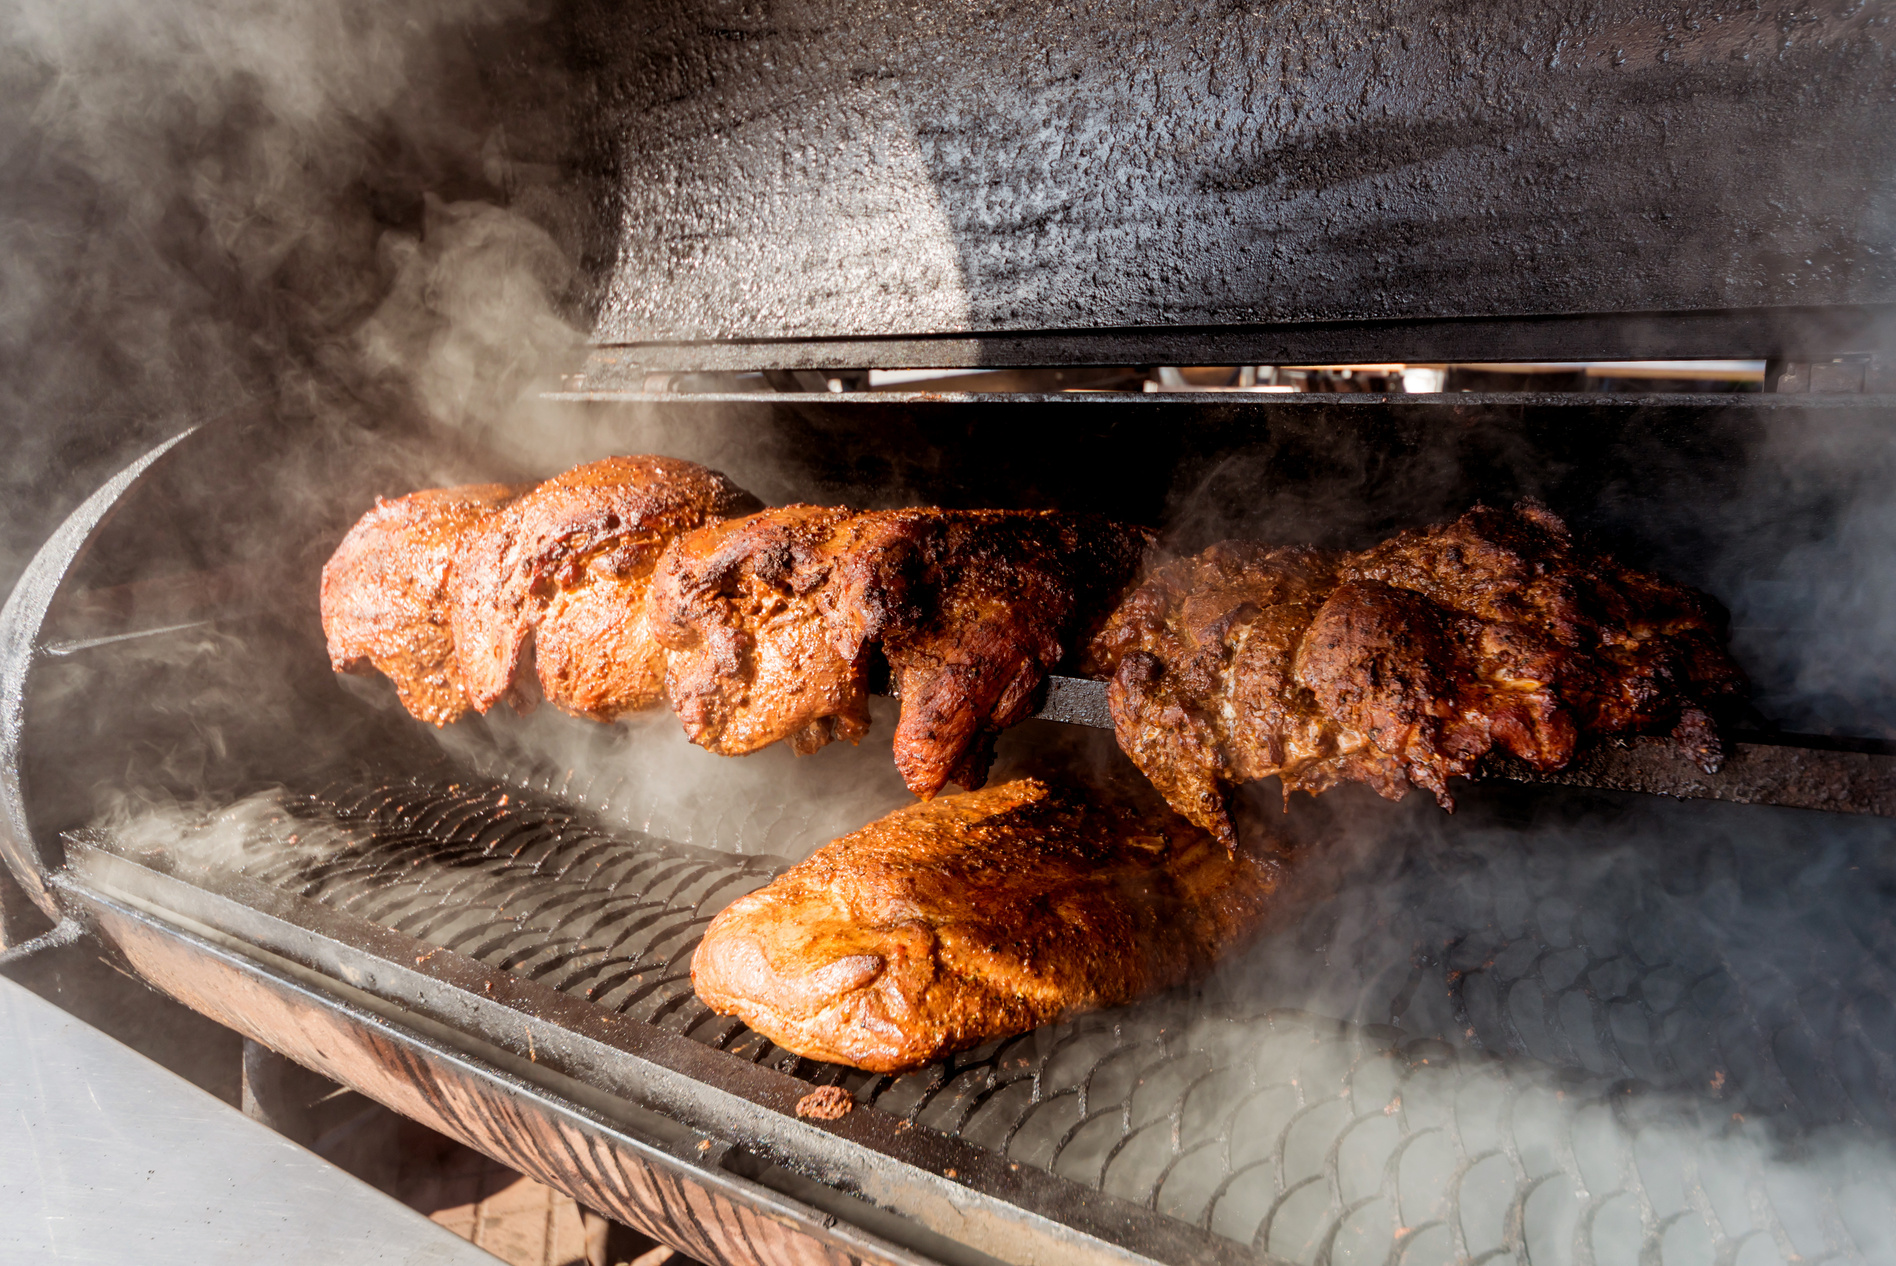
(1537, 1045)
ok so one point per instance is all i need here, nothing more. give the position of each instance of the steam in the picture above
(1817, 621)
(205, 204)
(471, 321)
(644, 774)
(1461, 1038)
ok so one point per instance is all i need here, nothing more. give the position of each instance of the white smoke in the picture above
(204, 204)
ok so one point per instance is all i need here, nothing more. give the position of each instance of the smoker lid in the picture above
(1118, 172)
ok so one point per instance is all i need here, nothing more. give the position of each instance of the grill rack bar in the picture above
(1790, 771)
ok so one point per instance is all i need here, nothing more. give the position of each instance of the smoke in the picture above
(205, 204)
(362, 208)
(1628, 1013)
(1812, 592)
(645, 775)
(471, 321)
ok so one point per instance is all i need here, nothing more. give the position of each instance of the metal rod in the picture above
(1792, 772)
(63, 933)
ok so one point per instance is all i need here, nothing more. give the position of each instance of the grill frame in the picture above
(214, 950)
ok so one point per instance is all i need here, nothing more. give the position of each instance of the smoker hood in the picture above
(848, 182)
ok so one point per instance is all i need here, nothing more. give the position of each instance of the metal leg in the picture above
(277, 1092)
(610, 1243)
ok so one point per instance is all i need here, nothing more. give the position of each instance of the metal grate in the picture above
(1544, 1045)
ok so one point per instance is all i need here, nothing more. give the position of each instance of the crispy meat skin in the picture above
(386, 593)
(560, 577)
(771, 622)
(972, 917)
(749, 611)
(1404, 664)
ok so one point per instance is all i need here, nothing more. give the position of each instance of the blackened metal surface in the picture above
(849, 168)
(1753, 773)
(1076, 701)
(1710, 335)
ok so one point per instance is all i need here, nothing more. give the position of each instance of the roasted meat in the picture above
(755, 614)
(974, 917)
(771, 622)
(1404, 664)
(988, 603)
(1557, 640)
(1201, 690)
(387, 594)
(558, 579)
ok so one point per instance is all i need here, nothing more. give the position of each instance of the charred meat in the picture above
(1557, 638)
(558, 580)
(986, 603)
(974, 917)
(1200, 660)
(771, 622)
(1404, 664)
(387, 594)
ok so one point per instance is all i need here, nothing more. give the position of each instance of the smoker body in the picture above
(457, 953)
(491, 946)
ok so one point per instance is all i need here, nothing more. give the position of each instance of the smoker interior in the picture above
(1568, 1021)
(1531, 1031)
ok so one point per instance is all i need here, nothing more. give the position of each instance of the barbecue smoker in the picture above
(1582, 1022)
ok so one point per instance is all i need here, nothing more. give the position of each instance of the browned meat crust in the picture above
(989, 602)
(1404, 664)
(755, 614)
(559, 577)
(386, 594)
(1560, 637)
(1201, 691)
(771, 623)
(973, 917)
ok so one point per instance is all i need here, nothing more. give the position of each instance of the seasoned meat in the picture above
(1393, 673)
(1201, 692)
(771, 623)
(765, 641)
(994, 600)
(1557, 639)
(559, 579)
(1404, 664)
(974, 917)
(386, 594)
